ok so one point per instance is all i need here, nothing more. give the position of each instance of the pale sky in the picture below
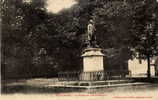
(55, 6)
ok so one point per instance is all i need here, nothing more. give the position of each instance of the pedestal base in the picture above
(92, 76)
(93, 67)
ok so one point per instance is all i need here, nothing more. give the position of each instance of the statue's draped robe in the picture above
(91, 29)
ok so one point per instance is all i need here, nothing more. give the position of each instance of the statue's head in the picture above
(91, 21)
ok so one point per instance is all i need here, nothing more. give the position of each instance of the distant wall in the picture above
(139, 69)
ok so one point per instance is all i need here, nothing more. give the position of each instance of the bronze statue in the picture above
(91, 38)
(90, 30)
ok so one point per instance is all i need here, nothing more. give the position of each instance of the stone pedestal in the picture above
(92, 64)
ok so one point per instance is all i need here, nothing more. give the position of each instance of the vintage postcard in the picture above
(79, 49)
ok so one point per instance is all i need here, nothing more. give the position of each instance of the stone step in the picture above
(98, 86)
(95, 83)
(111, 82)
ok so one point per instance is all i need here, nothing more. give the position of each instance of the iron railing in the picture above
(93, 76)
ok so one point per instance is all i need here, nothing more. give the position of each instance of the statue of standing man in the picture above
(90, 34)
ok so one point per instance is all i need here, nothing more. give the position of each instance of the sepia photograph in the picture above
(79, 49)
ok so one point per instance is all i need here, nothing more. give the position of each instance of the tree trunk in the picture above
(148, 70)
